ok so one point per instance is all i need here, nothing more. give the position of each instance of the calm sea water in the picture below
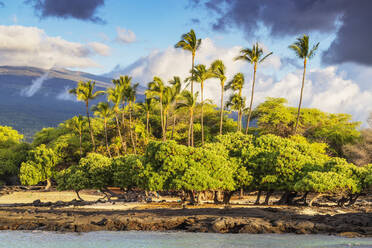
(15, 239)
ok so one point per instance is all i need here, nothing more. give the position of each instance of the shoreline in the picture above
(235, 219)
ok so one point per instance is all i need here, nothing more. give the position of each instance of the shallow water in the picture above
(33, 239)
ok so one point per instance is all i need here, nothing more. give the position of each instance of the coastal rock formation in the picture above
(232, 220)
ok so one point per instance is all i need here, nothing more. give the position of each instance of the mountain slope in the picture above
(29, 103)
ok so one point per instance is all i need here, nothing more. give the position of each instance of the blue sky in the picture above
(336, 81)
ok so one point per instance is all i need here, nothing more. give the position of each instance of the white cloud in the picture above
(177, 62)
(125, 35)
(100, 48)
(326, 89)
(30, 46)
(329, 89)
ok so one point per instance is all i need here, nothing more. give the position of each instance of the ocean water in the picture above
(38, 239)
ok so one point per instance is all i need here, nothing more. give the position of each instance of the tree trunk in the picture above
(147, 125)
(80, 143)
(221, 115)
(251, 103)
(227, 196)
(302, 90)
(49, 184)
(162, 117)
(316, 197)
(192, 197)
(90, 127)
(216, 197)
(189, 134)
(119, 132)
(267, 199)
(192, 128)
(130, 127)
(258, 198)
(202, 117)
(174, 124)
(78, 195)
(107, 145)
(192, 73)
(123, 115)
(241, 196)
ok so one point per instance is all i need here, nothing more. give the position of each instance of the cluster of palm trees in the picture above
(171, 98)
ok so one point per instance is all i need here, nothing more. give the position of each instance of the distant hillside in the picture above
(29, 103)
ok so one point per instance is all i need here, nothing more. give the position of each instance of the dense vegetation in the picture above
(177, 141)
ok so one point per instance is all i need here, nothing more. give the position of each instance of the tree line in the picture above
(175, 140)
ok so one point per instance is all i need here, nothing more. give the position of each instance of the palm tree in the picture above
(219, 71)
(188, 102)
(148, 105)
(253, 56)
(200, 75)
(301, 48)
(237, 84)
(122, 84)
(237, 103)
(104, 110)
(114, 95)
(85, 92)
(190, 43)
(130, 94)
(76, 124)
(176, 92)
(156, 90)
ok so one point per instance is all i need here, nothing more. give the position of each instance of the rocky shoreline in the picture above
(252, 220)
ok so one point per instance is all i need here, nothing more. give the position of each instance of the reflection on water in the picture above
(19, 239)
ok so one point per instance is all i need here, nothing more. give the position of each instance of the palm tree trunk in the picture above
(192, 93)
(202, 117)
(221, 118)
(174, 124)
(119, 132)
(80, 143)
(107, 146)
(90, 127)
(130, 127)
(123, 115)
(251, 103)
(147, 124)
(240, 115)
(192, 73)
(162, 117)
(189, 134)
(302, 90)
(192, 128)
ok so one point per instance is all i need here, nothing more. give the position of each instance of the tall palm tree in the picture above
(148, 105)
(176, 84)
(200, 75)
(188, 103)
(219, 71)
(237, 84)
(237, 103)
(302, 49)
(85, 92)
(114, 95)
(130, 94)
(155, 89)
(76, 124)
(122, 84)
(103, 110)
(190, 43)
(253, 56)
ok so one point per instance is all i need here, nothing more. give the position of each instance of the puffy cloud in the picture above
(177, 62)
(44, 51)
(327, 89)
(100, 48)
(349, 19)
(125, 35)
(78, 9)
